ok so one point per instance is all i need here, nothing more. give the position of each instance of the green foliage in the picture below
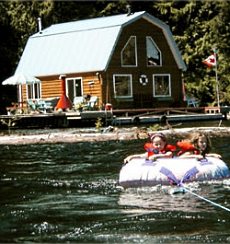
(198, 27)
(155, 127)
(23, 18)
(98, 124)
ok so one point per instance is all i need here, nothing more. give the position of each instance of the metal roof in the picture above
(81, 46)
(89, 24)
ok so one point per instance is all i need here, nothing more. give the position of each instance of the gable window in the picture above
(122, 85)
(129, 53)
(153, 53)
(34, 91)
(161, 85)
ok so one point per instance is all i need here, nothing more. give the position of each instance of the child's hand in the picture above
(199, 157)
(130, 157)
(153, 158)
(127, 159)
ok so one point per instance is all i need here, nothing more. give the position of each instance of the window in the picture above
(161, 85)
(122, 85)
(129, 53)
(34, 91)
(74, 88)
(153, 53)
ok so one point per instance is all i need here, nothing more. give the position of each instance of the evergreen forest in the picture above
(198, 27)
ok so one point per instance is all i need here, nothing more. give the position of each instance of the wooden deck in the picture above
(54, 120)
(115, 117)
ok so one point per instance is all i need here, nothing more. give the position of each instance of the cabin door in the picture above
(74, 88)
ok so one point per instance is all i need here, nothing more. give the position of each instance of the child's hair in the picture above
(194, 137)
(161, 135)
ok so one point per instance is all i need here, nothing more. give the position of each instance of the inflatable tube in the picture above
(141, 172)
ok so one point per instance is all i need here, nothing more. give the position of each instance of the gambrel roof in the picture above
(82, 46)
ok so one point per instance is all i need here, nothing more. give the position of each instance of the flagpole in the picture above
(211, 61)
(217, 89)
(217, 82)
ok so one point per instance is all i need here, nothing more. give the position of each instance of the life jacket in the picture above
(153, 150)
(186, 146)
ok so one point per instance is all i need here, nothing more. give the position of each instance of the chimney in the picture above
(129, 11)
(39, 25)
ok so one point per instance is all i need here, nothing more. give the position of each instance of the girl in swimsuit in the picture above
(198, 145)
(157, 148)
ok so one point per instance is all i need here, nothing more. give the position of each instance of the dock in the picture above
(71, 119)
(169, 119)
(169, 115)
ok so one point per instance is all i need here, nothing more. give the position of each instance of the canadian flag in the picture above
(210, 61)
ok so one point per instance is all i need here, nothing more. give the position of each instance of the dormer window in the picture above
(129, 53)
(153, 53)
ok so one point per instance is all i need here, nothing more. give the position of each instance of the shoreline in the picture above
(118, 134)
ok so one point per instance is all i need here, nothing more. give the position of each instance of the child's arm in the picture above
(199, 156)
(130, 157)
(168, 154)
(215, 155)
(191, 155)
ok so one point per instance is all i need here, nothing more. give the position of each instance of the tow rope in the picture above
(205, 199)
(192, 172)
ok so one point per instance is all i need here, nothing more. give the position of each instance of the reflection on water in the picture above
(69, 193)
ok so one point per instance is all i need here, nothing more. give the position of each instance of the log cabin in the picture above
(126, 60)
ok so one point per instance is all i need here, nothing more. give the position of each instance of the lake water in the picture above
(68, 193)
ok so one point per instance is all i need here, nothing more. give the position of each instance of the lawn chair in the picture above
(192, 101)
(31, 105)
(92, 102)
(78, 103)
(37, 105)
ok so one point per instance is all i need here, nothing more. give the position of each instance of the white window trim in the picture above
(121, 54)
(158, 51)
(33, 92)
(131, 86)
(170, 91)
(73, 78)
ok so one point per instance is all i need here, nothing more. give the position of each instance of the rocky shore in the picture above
(118, 134)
